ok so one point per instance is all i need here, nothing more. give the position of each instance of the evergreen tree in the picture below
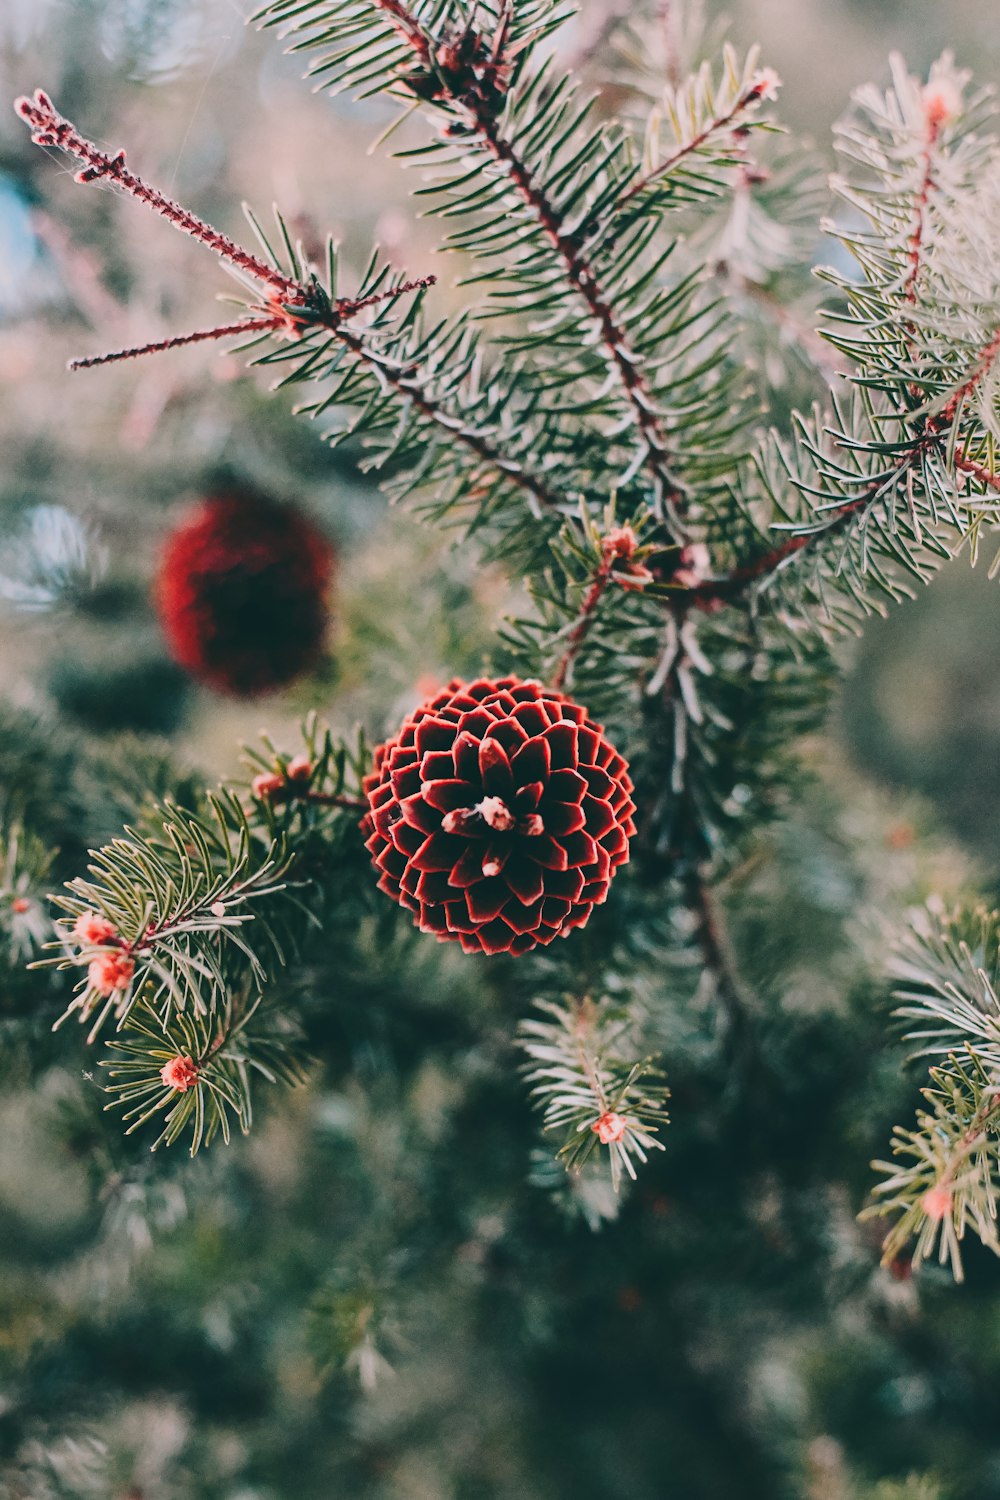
(602, 870)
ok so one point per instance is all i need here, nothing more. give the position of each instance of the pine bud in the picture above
(299, 769)
(91, 930)
(609, 1129)
(936, 1202)
(695, 565)
(942, 101)
(266, 785)
(180, 1073)
(765, 84)
(110, 971)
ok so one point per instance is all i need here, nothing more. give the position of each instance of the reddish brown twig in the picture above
(718, 956)
(757, 89)
(292, 322)
(914, 248)
(176, 341)
(617, 548)
(333, 799)
(584, 281)
(50, 128)
(978, 471)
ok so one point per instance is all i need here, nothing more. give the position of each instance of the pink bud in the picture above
(91, 930)
(180, 1073)
(936, 1202)
(695, 565)
(766, 84)
(942, 101)
(610, 1128)
(110, 971)
(266, 784)
(621, 541)
(299, 769)
(20, 904)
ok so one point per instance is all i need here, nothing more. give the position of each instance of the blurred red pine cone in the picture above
(242, 593)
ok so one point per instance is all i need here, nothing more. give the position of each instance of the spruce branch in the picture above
(197, 1070)
(170, 912)
(590, 1090)
(296, 308)
(539, 183)
(619, 353)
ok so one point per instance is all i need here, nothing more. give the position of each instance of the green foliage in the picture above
(587, 391)
(205, 908)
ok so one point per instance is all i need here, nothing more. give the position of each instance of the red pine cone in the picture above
(498, 815)
(242, 593)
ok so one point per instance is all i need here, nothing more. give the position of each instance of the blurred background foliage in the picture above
(196, 1370)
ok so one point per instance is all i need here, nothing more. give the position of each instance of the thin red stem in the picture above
(585, 282)
(348, 308)
(748, 97)
(176, 341)
(584, 621)
(50, 128)
(978, 471)
(332, 799)
(914, 249)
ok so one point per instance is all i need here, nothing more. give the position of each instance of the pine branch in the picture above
(196, 1071)
(725, 122)
(539, 183)
(589, 1089)
(161, 917)
(945, 1177)
(619, 353)
(297, 305)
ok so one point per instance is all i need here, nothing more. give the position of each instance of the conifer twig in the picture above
(618, 547)
(762, 86)
(175, 341)
(293, 307)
